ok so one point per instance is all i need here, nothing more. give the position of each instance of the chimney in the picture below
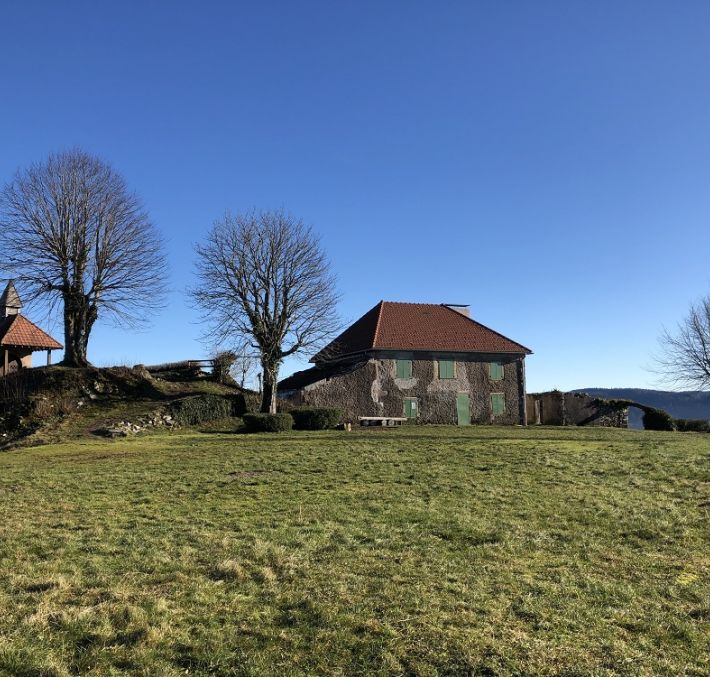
(462, 308)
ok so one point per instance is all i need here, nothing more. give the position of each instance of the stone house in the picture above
(427, 362)
(19, 337)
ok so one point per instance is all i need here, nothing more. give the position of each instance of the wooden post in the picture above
(49, 358)
(7, 362)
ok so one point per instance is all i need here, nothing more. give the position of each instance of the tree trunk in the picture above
(268, 393)
(79, 318)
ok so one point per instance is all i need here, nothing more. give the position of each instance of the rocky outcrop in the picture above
(143, 424)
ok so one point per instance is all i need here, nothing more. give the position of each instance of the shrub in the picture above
(57, 406)
(200, 409)
(693, 425)
(657, 419)
(315, 419)
(268, 423)
(222, 366)
(284, 406)
(244, 402)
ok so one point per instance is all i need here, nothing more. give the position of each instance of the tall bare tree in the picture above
(76, 238)
(264, 278)
(685, 353)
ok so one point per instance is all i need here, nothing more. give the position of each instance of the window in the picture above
(495, 371)
(410, 407)
(497, 404)
(447, 369)
(404, 369)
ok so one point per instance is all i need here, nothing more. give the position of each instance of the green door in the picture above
(463, 409)
(410, 407)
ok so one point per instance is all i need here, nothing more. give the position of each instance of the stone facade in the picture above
(371, 388)
(15, 358)
(18, 358)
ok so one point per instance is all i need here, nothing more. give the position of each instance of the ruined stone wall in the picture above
(374, 390)
(559, 408)
(551, 407)
(610, 417)
(580, 409)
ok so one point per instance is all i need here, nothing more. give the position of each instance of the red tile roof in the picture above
(17, 330)
(418, 326)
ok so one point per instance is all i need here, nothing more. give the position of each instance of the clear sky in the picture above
(546, 162)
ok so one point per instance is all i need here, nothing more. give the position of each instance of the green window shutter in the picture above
(410, 407)
(446, 369)
(404, 369)
(495, 371)
(497, 404)
(463, 409)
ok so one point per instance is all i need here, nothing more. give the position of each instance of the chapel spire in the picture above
(10, 303)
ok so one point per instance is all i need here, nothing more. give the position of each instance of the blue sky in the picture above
(546, 162)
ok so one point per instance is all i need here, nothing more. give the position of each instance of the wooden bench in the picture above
(388, 421)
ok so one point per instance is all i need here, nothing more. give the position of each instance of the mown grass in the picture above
(418, 551)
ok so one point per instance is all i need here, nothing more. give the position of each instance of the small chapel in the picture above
(19, 337)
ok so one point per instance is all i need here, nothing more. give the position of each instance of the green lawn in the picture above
(418, 551)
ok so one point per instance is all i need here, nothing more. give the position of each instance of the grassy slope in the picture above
(133, 397)
(414, 551)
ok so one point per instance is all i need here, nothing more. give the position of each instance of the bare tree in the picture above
(246, 366)
(685, 354)
(264, 279)
(78, 239)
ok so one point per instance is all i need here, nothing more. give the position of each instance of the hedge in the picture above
(243, 402)
(198, 409)
(692, 425)
(315, 419)
(657, 419)
(267, 423)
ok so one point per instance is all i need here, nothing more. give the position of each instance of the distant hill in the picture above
(686, 404)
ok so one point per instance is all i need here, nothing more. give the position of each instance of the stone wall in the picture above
(18, 358)
(546, 408)
(374, 390)
(559, 408)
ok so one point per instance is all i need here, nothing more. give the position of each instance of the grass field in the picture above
(418, 551)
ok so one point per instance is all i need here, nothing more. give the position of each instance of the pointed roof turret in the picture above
(10, 303)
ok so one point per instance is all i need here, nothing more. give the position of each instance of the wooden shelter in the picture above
(19, 337)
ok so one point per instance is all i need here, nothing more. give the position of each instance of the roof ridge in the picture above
(416, 326)
(480, 324)
(377, 324)
(27, 319)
